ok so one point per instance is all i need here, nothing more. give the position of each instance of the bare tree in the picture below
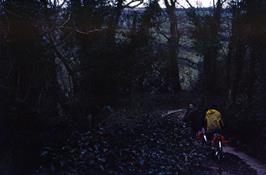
(173, 77)
(119, 6)
(206, 34)
(235, 60)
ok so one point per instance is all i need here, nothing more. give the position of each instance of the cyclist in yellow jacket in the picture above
(213, 121)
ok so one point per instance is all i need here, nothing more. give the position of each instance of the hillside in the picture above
(142, 142)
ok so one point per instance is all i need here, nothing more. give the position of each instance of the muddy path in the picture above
(235, 161)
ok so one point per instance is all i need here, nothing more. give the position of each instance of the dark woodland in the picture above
(85, 85)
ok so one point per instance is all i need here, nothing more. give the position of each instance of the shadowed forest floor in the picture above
(137, 143)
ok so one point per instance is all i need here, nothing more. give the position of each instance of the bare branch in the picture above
(90, 31)
(128, 5)
(166, 3)
(178, 3)
(173, 3)
(67, 20)
(64, 38)
(59, 54)
(223, 2)
(188, 62)
(213, 3)
(83, 32)
(162, 33)
(190, 5)
(62, 4)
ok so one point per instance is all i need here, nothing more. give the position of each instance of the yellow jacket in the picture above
(213, 119)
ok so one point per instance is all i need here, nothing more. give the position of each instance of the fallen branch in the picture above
(173, 112)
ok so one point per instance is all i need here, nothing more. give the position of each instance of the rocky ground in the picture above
(143, 143)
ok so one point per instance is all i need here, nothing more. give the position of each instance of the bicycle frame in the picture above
(217, 143)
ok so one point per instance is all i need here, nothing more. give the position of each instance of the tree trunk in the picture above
(173, 77)
(213, 50)
(238, 68)
(114, 21)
